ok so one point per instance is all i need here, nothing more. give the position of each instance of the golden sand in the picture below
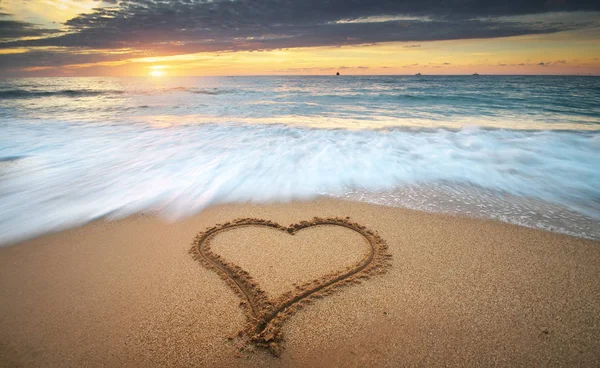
(458, 291)
(265, 315)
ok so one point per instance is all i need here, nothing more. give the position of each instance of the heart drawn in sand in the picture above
(265, 316)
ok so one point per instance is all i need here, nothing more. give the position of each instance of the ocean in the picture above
(520, 149)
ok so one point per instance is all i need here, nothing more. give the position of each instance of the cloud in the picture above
(165, 38)
(158, 27)
(550, 63)
(322, 69)
(59, 57)
(12, 29)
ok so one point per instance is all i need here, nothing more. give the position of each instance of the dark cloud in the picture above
(161, 27)
(53, 58)
(273, 13)
(12, 29)
(551, 63)
(411, 46)
(165, 38)
(321, 69)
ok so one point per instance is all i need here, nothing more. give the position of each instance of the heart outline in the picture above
(265, 316)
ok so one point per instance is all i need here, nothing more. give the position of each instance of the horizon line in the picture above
(304, 75)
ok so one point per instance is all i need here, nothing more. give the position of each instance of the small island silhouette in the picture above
(338, 73)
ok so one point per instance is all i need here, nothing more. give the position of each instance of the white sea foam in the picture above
(76, 149)
(59, 175)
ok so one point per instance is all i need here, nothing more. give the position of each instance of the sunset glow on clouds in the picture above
(244, 37)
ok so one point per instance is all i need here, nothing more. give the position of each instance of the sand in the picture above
(458, 292)
(268, 307)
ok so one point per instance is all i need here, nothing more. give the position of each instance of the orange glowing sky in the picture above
(87, 38)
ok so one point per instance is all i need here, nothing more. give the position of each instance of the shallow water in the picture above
(519, 149)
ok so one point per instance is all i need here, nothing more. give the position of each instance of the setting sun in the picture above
(157, 73)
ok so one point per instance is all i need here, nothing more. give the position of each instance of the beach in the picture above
(458, 291)
(276, 184)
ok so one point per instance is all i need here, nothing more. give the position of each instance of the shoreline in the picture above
(459, 291)
(532, 213)
(585, 228)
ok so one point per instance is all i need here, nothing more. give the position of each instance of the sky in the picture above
(285, 37)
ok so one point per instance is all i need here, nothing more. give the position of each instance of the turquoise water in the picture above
(520, 149)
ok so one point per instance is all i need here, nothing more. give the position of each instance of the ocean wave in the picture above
(24, 94)
(28, 94)
(11, 158)
(194, 90)
(79, 173)
(527, 144)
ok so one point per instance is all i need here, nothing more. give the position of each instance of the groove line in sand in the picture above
(265, 316)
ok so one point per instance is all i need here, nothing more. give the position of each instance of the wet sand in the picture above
(458, 291)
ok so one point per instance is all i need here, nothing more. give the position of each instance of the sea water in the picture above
(520, 149)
